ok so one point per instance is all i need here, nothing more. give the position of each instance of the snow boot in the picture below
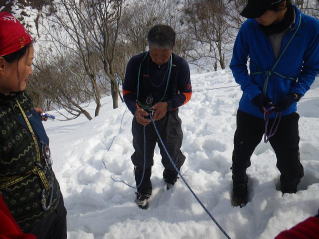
(169, 186)
(142, 200)
(288, 187)
(170, 178)
(239, 195)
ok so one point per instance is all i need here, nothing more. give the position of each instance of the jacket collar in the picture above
(297, 19)
(6, 99)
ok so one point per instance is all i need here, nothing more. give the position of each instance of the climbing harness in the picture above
(272, 71)
(271, 130)
(274, 127)
(170, 64)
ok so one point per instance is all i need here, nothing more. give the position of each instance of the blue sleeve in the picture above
(37, 126)
(310, 68)
(184, 86)
(238, 63)
(130, 84)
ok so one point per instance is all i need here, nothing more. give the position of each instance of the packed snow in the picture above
(88, 154)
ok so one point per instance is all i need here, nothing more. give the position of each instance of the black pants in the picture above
(285, 143)
(171, 133)
(53, 226)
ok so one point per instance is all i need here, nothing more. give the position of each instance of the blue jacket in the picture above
(300, 62)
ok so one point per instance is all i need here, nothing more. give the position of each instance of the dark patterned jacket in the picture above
(18, 161)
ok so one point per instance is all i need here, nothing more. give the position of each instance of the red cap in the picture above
(13, 35)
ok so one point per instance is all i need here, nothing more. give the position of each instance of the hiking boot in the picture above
(239, 195)
(142, 200)
(170, 178)
(288, 188)
(169, 186)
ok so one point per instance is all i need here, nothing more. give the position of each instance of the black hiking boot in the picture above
(142, 200)
(288, 187)
(169, 186)
(239, 195)
(170, 178)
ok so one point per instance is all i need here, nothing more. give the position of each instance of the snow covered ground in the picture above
(87, 154)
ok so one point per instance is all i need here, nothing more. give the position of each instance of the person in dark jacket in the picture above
(282, 45)
(156, 82)
(27, 182)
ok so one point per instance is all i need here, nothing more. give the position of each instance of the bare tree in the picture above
(61, 84)
(89, 29)
(310, 7)
(208, 24)
(24, 13)
(140, 16)
(102, 19)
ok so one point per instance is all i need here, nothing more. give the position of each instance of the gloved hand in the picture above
(287, 101)
(262, 102)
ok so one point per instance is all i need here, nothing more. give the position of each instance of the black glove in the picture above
(262, 102)
(287, 101)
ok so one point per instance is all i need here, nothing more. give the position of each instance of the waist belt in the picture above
(6, 182)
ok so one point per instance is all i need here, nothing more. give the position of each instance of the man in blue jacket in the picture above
(282, 45)
(156, 83)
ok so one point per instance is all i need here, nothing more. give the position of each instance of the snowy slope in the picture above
(100, 208)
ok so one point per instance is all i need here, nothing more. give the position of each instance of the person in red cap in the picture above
(275, 60)
(27, 182)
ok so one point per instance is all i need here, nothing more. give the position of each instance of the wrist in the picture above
(296, 97)
(169, 105)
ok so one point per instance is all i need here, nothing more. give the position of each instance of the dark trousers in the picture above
(285, 143)
(53, 226)
(171, 133)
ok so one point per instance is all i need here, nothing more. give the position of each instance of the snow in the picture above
(87, 154)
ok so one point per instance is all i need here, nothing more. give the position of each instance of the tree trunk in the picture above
(222, 62)
(87, 114)
(115, 96)
(83, 111)
(97, 98)
(97, 108)
(221, 56)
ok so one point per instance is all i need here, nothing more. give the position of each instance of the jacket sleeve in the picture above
(130, 85)
(306, 229)
(310, 68)
(238, 64)
(184, 87)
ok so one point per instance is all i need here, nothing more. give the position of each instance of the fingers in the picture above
(156, 106)
(143, 121)
(140, 115)
(160, 110)
(157, 115)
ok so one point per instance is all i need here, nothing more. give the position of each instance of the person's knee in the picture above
(178, 160)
